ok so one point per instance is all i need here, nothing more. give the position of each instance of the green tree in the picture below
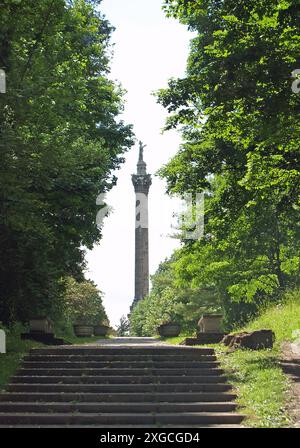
(123, 327)
(60, 141)
(83, 303)
(238, 116)
(174, 296)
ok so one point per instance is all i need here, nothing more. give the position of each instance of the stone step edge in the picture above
(116, 426)
(128, 414)
(115, 404)
(107, 358)
(93, 377)
(118, 384)
(34, 372)
(155, 395)
(98, 347)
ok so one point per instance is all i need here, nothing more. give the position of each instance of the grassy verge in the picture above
(261, 386)
(283, 319)
(263, 389)
(16, 349)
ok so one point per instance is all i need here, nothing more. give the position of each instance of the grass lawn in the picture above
(16, 349)
(261, 385)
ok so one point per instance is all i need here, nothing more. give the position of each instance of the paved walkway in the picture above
(129, 341)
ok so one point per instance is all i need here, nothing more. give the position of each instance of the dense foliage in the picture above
(123, 328)
(83, 303)
(60, 140)
(239, 119)
(172, 299)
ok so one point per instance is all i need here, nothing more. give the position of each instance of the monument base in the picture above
(204, 339)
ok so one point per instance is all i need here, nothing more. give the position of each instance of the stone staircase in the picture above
(93, 386)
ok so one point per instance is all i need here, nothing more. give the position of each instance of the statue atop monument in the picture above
(141, 155)
(141, 166)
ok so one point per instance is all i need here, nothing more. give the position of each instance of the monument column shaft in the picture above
(141, 182)
(141, 248)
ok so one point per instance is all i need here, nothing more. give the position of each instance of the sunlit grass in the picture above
(261, 385)
(283, 319)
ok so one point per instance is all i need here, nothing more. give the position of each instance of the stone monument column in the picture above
(141, 182)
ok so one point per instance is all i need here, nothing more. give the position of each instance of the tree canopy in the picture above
(83, 303)
(60, 141)
(239, 118)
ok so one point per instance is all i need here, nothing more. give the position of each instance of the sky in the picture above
(149, 49)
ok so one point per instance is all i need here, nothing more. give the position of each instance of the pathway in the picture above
(129, 341)
(290, 364)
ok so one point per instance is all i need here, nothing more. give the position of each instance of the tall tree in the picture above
(60, 141)
(238, 114)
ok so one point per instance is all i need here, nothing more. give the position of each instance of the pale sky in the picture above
(149, 49)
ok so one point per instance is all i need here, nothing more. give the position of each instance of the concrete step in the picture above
(229, 426)
(113, 365)
(202, 339)
(125, 359)
(195, 418)
(132, 379)
(119, 419)
(134, 397)
(117, 372)
(121, 408)
(116, 351)
(99, 388)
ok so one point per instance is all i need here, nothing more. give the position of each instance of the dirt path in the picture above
(291, 365)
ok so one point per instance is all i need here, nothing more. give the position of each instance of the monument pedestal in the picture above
(41, 330)
(45, 338)
(209, 331)
(204, 339)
